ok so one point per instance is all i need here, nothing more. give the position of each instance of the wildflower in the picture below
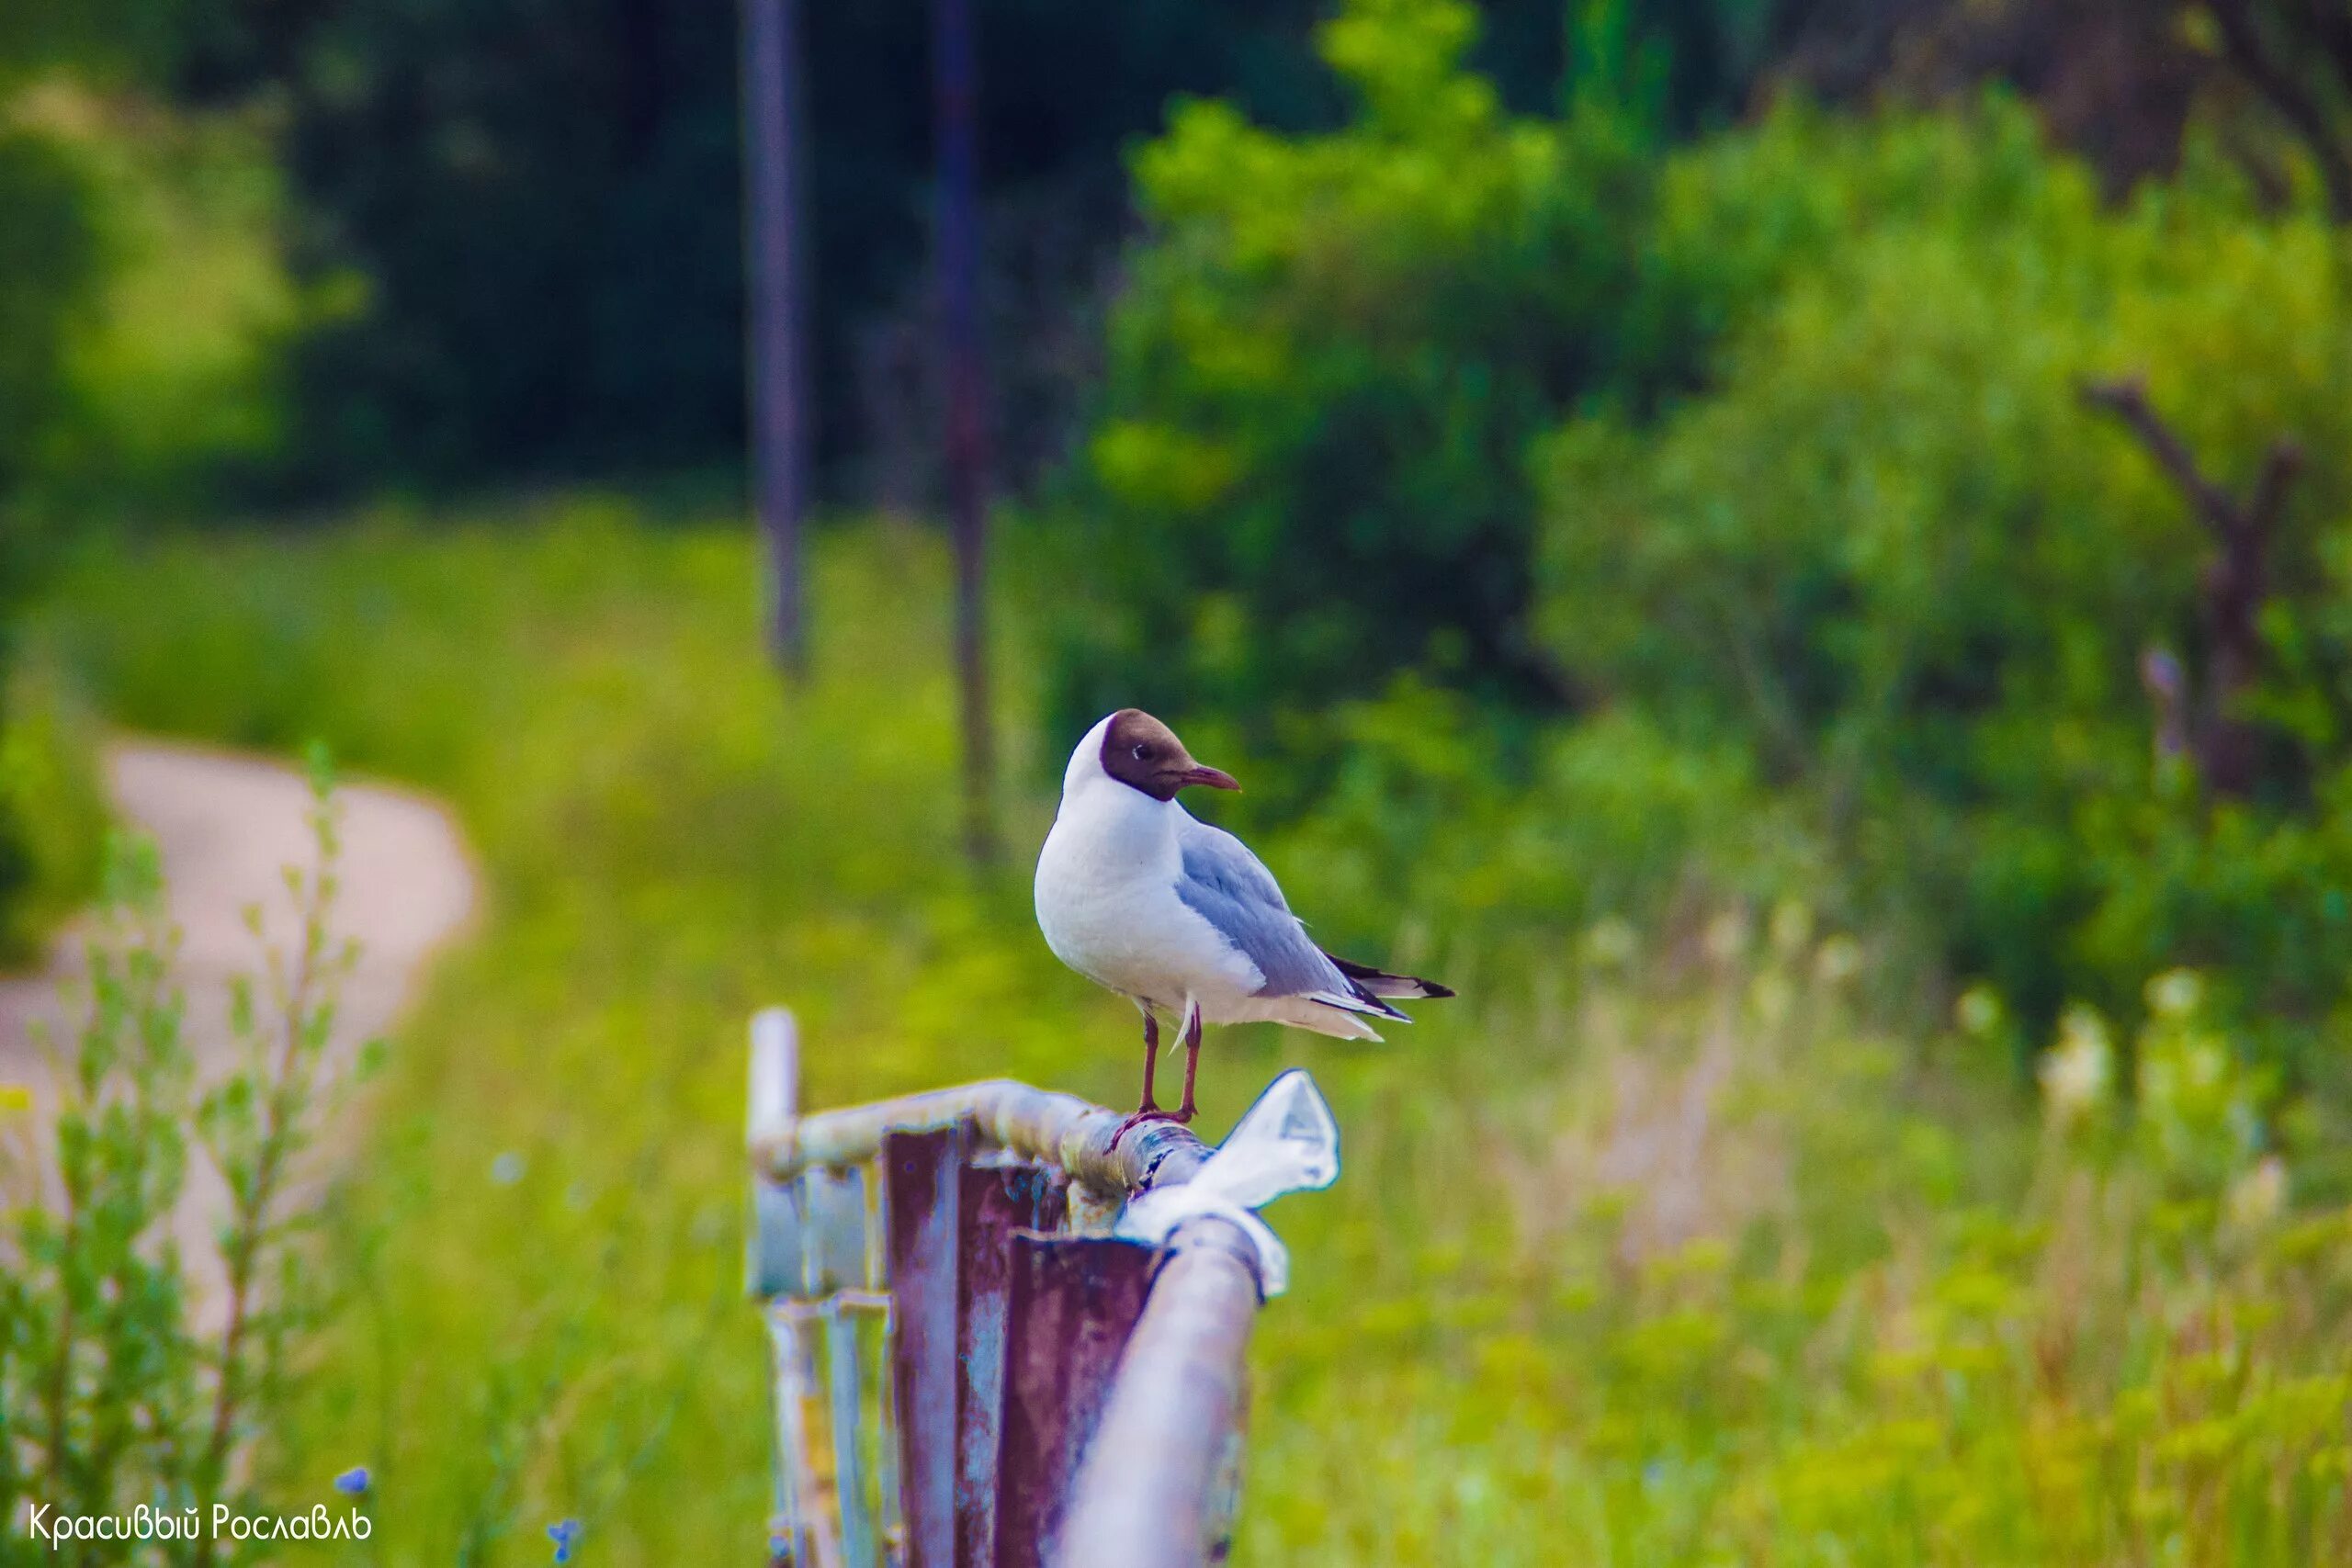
(2077, 1070)
(507, 1169)
(16, 1098)
(1725, 938)
(2175, 992)
(1610, 942)
(1978, 1012)
(1791, 926)
(565, 1533)
(2256, 1197)
(352, 1482)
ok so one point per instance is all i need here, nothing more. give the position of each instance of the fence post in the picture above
(1073, 1304)
(773, 1265)
(1059, 1398)
(1156, 1487)
(920, 1200)
(996, 1202)
(774, 261)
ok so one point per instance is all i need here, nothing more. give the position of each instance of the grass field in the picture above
(1653, 1250)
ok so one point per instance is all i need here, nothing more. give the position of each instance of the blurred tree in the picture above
(2124, 83)
(1896, 557)
(2296, 55)
(539, 200)
(49, 262)
(141, 307)
(542, 198)
(1306, 467)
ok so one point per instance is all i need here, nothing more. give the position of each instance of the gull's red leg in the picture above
(1149, 1109)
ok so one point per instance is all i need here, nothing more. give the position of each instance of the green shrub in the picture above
(144, 305)
(1306, 472)
(137, 1375)
(1893, 557)
(1506, 849)
(49, 256)
(52, 805)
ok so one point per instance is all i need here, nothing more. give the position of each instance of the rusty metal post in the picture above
(774, 286)
(1073, 1302)
(996, 1202)
(920, 1193)
(1156, 1487)
(956, 78)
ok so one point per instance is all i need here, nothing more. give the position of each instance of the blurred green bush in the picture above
(54, 812)
(1306, 471)
(1730, 515)
(50, 261)
(1893, 557)
(145, 314)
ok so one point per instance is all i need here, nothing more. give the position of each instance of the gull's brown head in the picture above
(1143, 754)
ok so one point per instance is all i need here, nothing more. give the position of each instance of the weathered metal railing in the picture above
(970, 1371)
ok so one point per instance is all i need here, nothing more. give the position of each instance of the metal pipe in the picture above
(1059, 1130)
(1155, 1486)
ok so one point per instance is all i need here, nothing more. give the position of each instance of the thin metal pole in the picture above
(775, 285)
(956, 76)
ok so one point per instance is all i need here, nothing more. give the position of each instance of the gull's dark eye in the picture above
(1142, 753)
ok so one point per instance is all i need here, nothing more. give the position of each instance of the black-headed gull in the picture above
(1137, 894)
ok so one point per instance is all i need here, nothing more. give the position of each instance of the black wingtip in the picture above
(1374, 982)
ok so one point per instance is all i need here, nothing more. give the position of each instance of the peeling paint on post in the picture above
(1071, 1305)
(844, 1387)
(920, 1193)
(1157, 1484)
(995, 1201)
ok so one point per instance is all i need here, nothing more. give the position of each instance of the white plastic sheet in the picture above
(1285, 1143)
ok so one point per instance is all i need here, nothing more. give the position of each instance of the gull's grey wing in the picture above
(1227, 886)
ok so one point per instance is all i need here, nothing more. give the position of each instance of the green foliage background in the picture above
(1655, 1248)
(1644, 546)
(1760, 461)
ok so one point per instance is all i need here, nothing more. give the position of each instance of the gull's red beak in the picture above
(1215, 778)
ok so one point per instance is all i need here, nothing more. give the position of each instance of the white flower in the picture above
(1791, 926)
(1978, 1012)
(1839, 960)
(2256, 1197)
(2175, 992)
(1726, 936)
(2077, 1071)
(1610, 942)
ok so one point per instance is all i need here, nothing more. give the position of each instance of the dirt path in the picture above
(226, 827)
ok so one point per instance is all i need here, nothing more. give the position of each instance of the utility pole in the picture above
(774, 283)
(964, 380)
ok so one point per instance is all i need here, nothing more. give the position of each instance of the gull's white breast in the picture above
(1107, 904)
